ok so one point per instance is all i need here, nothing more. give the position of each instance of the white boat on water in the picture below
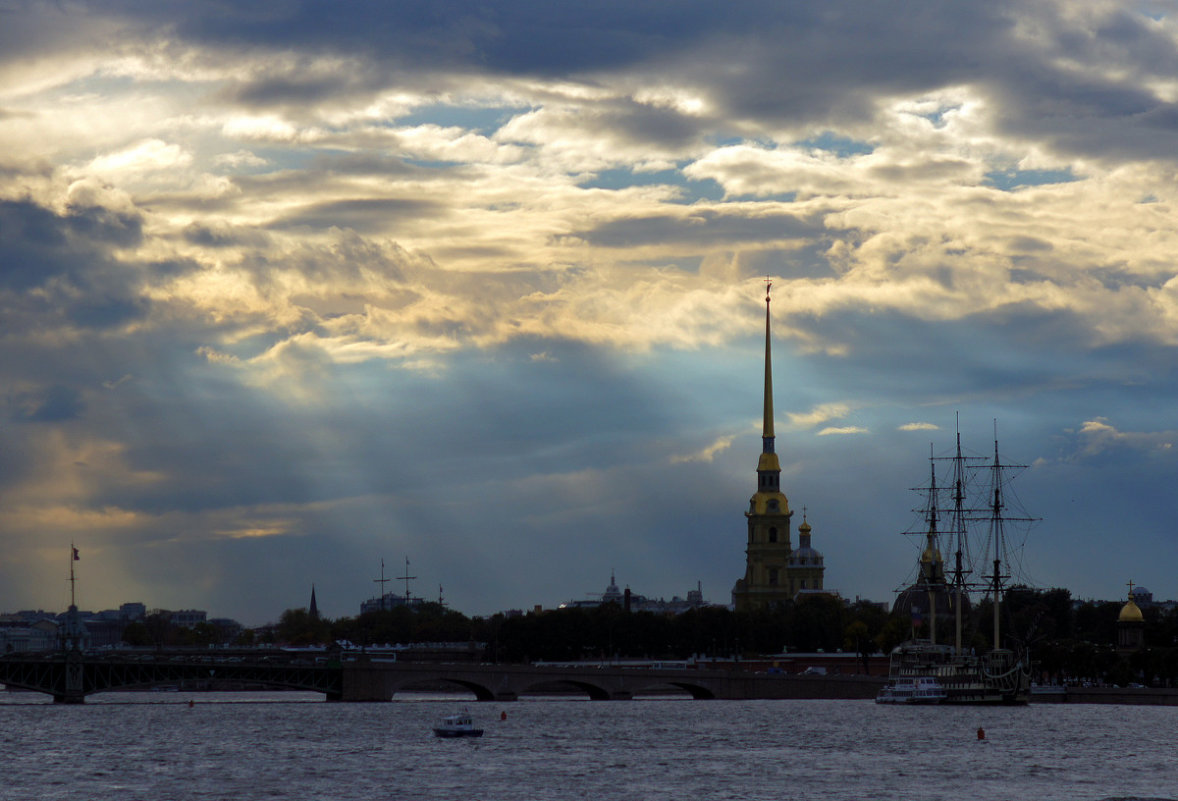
(912, 691)
(459, 725)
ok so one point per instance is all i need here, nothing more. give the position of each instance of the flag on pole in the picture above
(76, 557)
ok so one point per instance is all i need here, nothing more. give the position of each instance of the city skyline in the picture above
(286, 289)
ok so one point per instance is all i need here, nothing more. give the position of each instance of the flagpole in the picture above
(73, 558)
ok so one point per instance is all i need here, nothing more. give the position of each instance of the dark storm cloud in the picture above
(300, 89)
(364, 215)
(98, 311)
(38, 244)
(222, 235)
(56, 270)
(639, 122)
(702, 227)
(759, 62)
(55, 404)
(366, 163)
(527, 37)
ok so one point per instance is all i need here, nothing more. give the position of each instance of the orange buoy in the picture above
(190, 703)
(981, 733)
(503, 715)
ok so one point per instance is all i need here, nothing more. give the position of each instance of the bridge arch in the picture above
(698, 692)
(481, 692)
(595, 691)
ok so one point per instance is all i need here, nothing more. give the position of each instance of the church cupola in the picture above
(1130, 626)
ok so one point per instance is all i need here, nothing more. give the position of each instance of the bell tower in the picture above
(768, 577)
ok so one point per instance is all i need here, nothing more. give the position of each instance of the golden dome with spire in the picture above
(1130, 613)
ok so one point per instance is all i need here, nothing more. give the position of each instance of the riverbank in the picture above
(1135, 696)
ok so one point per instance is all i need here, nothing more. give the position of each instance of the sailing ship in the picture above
(1001, 675)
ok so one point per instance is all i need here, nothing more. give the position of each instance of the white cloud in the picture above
(707, 453)
(1098, 436)
(147, 156)
(819, 414)
(842, 430)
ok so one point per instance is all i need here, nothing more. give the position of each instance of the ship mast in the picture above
(997, 535)
(931, 554)
(961, 511)
(960, 539)
(406, 578)
(382, 581)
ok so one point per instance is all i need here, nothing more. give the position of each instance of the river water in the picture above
(155, 747)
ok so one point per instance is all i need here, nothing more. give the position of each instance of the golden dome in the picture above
(1130, 613)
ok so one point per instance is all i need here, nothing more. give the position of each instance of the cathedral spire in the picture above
(767, 430)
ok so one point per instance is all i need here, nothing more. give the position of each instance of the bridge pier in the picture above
(74, 691)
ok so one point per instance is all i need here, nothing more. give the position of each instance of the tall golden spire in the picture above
(768, 467)
(767, 430)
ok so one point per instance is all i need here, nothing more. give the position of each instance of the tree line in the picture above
(1068, 641)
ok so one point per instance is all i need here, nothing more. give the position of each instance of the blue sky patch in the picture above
(481, 120)
(623, 178)
(841, 146)
(1009, 180)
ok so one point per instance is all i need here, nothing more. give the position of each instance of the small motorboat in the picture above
(459, 725)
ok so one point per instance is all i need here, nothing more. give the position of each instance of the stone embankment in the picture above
(1140, 696)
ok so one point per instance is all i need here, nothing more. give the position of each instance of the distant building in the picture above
(774, 572)
(390, 600)
(1142, 597)
(188, 618)
(21, 636)
(640, 603)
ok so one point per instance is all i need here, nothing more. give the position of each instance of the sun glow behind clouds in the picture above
(290, 230)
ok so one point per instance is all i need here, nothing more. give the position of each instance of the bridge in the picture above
(70, 677)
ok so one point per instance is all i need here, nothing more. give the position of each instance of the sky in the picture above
(289, 289)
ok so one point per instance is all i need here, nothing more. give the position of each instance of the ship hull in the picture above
(998, 677)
